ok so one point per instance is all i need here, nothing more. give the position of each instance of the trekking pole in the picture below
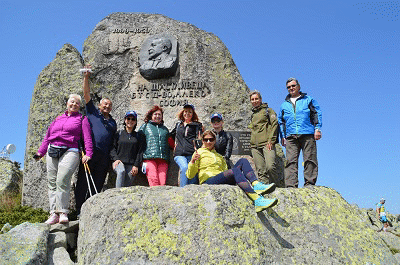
(91, 178)
(87, 176)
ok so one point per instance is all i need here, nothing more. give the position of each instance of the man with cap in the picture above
(103, 129)
(264, 136)
(380, 209)
(300, 120)
(224, 141)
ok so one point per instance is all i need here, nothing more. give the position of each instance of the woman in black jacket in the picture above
(127, 151)
(185, 133)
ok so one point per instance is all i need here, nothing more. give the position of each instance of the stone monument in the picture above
(138, 61)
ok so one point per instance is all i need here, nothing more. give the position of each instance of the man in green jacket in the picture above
(264, 134)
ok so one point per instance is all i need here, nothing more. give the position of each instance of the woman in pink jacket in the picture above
(61, 145)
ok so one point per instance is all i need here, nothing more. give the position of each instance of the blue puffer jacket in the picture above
(156, 145)
(302, 118)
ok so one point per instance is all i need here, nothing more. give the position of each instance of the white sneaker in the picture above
(63, 218)
(53, 219)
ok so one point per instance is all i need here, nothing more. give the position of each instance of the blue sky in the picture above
(344, 53)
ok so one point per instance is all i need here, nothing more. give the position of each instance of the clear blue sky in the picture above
(344, 53)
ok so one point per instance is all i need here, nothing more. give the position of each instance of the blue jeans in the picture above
(124, 176)
(183, 162)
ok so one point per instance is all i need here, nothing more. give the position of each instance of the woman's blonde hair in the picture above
(75, 96)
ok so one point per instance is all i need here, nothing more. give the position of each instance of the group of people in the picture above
(202, 156)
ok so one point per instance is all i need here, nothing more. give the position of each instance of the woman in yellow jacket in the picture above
(212, 169)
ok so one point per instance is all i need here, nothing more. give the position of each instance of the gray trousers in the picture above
(124, 176)
(265, 164)
(59, 174)
(308, 145)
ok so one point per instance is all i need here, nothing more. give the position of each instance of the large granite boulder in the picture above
(10, 176)
(55, 83)
(209, 224)
(203, 73)
(24, 244)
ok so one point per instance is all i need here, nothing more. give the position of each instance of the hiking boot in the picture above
(262, 203)
(63, 218)
(53, 219)
(261, 188)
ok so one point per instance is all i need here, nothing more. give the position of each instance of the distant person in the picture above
(185, 134)
(127, 151)
(103, 130)
(61, 145)
(160, 62)
(212, 169)
(300, 119)
(156, 150)
(224, 142)
(380, 209)
(264, 135)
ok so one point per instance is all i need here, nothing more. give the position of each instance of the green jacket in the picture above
(156, 145)
(264, 128)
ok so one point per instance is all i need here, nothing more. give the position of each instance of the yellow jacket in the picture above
(208, 165)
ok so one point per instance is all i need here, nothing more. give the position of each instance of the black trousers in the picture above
(99, 166)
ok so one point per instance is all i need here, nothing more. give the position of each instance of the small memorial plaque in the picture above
(241, 142)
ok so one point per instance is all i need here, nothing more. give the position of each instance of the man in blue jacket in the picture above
(300, 121)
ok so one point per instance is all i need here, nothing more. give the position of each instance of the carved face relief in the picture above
(158, 57)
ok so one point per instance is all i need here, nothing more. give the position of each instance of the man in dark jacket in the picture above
(300, 119)
(103, 129)
(224, 141)
(264, 135)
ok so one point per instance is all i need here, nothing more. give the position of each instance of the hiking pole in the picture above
(91, 178)
(87, 177)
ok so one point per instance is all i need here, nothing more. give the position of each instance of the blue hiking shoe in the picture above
(261, 188)
(262, 203)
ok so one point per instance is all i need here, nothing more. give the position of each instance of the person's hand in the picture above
(283, 142)
(195, 157)
(85, 159)
(87, 73)
(317, 135)
(134, 171)
(37, 157)
(115, 164)
(269, 146)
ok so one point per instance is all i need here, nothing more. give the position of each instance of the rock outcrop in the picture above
(209, 224)
(54, 84)
(206, 77)
(24, 244)
(10, 176)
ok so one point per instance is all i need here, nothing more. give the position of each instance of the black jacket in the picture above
(184, 137)
(127, 147)
(224, 145)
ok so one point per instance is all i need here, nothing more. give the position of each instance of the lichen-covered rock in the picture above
(322, 228)
(55, 83)
(217, 224)
(24, 244)
(10, 176)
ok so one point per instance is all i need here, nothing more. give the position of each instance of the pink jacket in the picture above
(67, 131)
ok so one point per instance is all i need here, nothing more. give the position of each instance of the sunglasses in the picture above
(131, 119)
(215, 120)
(292, 86)
(208, 140)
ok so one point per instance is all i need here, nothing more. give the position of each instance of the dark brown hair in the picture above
(147, 118)
(194, 117)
